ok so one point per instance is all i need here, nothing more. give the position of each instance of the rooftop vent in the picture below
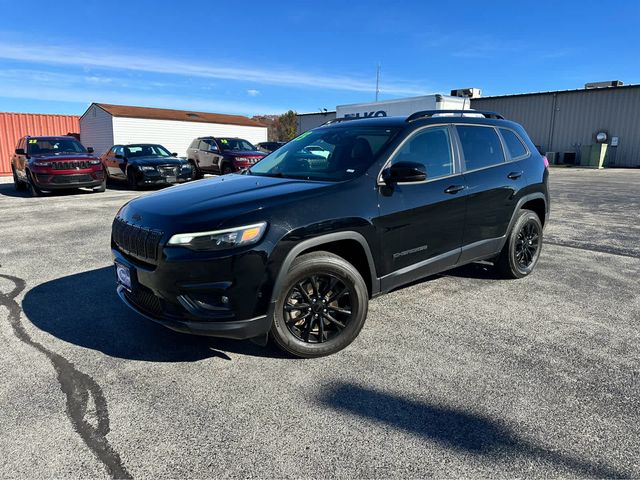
(611, 83)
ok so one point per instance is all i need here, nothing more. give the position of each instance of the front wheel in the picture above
(322, 306)
(33, 188)
(17, 183)
(522, 250)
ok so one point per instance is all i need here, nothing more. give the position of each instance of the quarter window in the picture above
(481, 146)
(432, 148)
(514, 145)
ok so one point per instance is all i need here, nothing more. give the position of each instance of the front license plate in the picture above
(123, 274)
(171, 179)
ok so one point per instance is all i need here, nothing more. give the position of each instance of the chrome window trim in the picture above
(456, 167)
(519, 157)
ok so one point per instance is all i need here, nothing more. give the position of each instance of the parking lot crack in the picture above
(86, 404)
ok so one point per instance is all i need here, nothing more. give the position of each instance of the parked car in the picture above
(145, 164)
(296, 252)
(55, 163)
(222, 155)
(317, 150)
(269, 147)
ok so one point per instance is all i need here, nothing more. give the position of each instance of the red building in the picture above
(16, 125)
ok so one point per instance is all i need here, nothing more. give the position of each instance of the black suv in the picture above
(294, 248)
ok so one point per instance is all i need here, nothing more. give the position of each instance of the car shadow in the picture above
(453, 428)
(8, 190)
(85, 310)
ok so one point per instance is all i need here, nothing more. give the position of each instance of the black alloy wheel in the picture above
(318, 308)
(321, 306)
(522, 249)
(527, 244)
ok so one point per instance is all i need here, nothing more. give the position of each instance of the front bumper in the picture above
(58, 181)
(158, 178)
(213, 297)
(238, 329)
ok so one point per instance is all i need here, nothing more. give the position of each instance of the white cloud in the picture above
(253, 92)
(70, 88)
(140, 62)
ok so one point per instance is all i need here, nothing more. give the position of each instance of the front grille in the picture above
(70, 165)
(145, 301)
(169, 170)
(67, 179)
(137, 241)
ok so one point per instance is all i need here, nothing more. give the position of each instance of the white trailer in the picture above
(403, 106)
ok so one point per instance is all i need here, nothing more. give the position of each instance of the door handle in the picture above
(514, 175)
(454, 189)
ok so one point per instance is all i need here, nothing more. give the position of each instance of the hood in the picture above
(154, 161)
(62, 156)
(216, 200)
(244, 153)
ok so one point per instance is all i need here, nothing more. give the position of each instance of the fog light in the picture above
(224, 300)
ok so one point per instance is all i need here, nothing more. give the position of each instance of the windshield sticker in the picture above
(33, 140)
(224, 140)
(305, 134)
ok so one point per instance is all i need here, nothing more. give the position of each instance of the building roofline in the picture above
(552, 92)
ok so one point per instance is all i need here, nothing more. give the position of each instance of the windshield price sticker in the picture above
(33, 140)
(305, 134)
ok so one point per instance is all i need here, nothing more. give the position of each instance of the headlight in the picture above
(95, 161)
(220, 239)
(147, 168)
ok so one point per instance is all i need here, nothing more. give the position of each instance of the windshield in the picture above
(236, 144)
(52, 146)
(328, 154)
(132, 151)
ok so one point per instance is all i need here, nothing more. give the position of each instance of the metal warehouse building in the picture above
(14, 126)
(563, 121)
(103, 125)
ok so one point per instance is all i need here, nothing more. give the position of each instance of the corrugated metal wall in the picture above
(563, 121)
(13, 126)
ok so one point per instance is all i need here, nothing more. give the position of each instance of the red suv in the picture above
(55, 163)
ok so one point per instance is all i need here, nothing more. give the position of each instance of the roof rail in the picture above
(433, 113)
(341, 119)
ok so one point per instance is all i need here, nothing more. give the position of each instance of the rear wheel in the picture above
(522, 250)
(322, 306)
(17, 183)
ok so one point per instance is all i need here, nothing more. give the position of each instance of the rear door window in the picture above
(481, 146)
(514, 144)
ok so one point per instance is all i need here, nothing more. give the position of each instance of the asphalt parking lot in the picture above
(461, 375)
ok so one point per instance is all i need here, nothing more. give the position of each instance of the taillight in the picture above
(546, 161)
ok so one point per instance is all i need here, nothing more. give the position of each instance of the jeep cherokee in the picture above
(294, 249)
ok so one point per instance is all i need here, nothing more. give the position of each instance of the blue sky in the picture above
(260, 57)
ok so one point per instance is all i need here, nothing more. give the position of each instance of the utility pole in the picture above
(378, 81)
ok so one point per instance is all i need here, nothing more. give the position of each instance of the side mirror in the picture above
(90, 149)
(119, 157)
(19, 151)
(174, 154)
(404, 172)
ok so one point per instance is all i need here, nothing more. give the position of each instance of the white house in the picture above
(103, 125)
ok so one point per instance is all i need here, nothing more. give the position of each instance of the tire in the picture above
(197, 173)
(33, 188)
(131, 179)
(226, 169)
(102, 187)
(521, 252)
(17, 184)
(325, 326)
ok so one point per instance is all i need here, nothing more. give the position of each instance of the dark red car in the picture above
(55, 163)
